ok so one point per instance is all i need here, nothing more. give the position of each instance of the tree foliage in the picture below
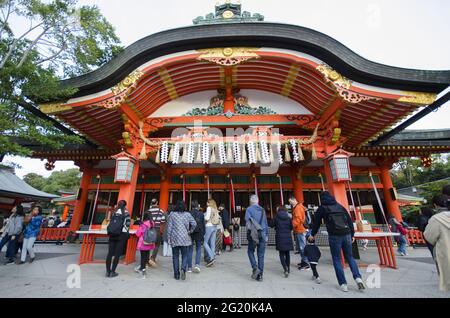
(41, 42)
(409, 171)
(68, 180)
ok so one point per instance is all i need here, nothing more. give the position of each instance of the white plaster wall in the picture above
(256, 98)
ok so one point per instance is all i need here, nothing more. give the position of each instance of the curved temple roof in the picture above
(259, 34)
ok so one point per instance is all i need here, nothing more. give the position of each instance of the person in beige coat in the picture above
(437, 233)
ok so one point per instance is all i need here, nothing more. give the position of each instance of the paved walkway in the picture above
(229, 278)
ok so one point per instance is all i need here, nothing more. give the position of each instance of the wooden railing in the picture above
(415, 237)
(53, 234)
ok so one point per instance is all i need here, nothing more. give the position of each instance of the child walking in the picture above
(143, 246)
(312, 252)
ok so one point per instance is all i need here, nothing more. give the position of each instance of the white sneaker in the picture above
(318, 280)
(196, 269)
(138, 269)
(360, 284)
(344, 288)
(189, 270)
(144, 274)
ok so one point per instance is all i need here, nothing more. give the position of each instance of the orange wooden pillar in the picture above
(80, 204)
(127, 190)
(297, 186)
(391, 203)
(164, 193)
(337, 189)
(65, 212)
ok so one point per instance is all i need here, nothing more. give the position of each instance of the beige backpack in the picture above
(214, 218)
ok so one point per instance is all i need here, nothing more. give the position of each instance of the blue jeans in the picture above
(198, 253)
(261, 249)
(343, 243)
(301, 241)
(11, 251)
(402, 244)
(4, 241)
(210, 241)
(176, 258)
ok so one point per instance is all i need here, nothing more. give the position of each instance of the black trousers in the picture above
(285, 258)
(145, 255)
(314, 270)
(115, 249)
(157, 244)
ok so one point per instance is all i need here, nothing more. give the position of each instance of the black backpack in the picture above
(150, 236)
(337, 221)
(198, 227)
(116, 224)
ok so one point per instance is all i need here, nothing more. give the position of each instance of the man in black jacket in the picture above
(340, 236)
(197, 237)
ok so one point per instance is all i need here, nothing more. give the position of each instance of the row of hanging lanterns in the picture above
(252, 152)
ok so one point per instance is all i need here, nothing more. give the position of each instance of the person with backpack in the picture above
(197, 238)
(180, 226)
(30, 234)
(340, 237)
(283, 238)
(397, 227)
(147, 235)
(225, 217)
(424, 217)
(212, 220)
(236, 225)
(159, 218)
(118, 232)
(257, 236)
(300, 226)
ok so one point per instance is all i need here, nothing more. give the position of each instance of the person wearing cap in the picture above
(159, 218)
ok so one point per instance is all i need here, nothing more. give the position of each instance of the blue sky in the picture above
(411, 34)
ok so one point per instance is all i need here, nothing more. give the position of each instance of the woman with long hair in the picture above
(212, 219)
(118, 231)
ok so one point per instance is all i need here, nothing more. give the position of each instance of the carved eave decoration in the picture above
(228, 56)
(121, 91)
(54, 108)
(342, 85)
(418, 98)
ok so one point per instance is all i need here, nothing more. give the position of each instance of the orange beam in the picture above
(126, 109)
(337, 104)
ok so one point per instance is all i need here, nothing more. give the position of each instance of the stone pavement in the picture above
(229, 278)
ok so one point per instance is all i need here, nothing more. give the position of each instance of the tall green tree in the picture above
(68, 180)
(40, 43)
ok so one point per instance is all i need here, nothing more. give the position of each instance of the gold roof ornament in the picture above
(127, 82)
(228, 56)
(334, 77)
(418, 98)
(54, 108)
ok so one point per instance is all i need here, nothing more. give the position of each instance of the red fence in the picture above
(415, 237)
(53, 234)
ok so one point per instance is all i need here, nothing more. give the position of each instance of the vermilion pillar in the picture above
(164, 193)
(337, 189)
(128, 190)
(297, 186)
(65, 212)
(81, 203)
(391, 204)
